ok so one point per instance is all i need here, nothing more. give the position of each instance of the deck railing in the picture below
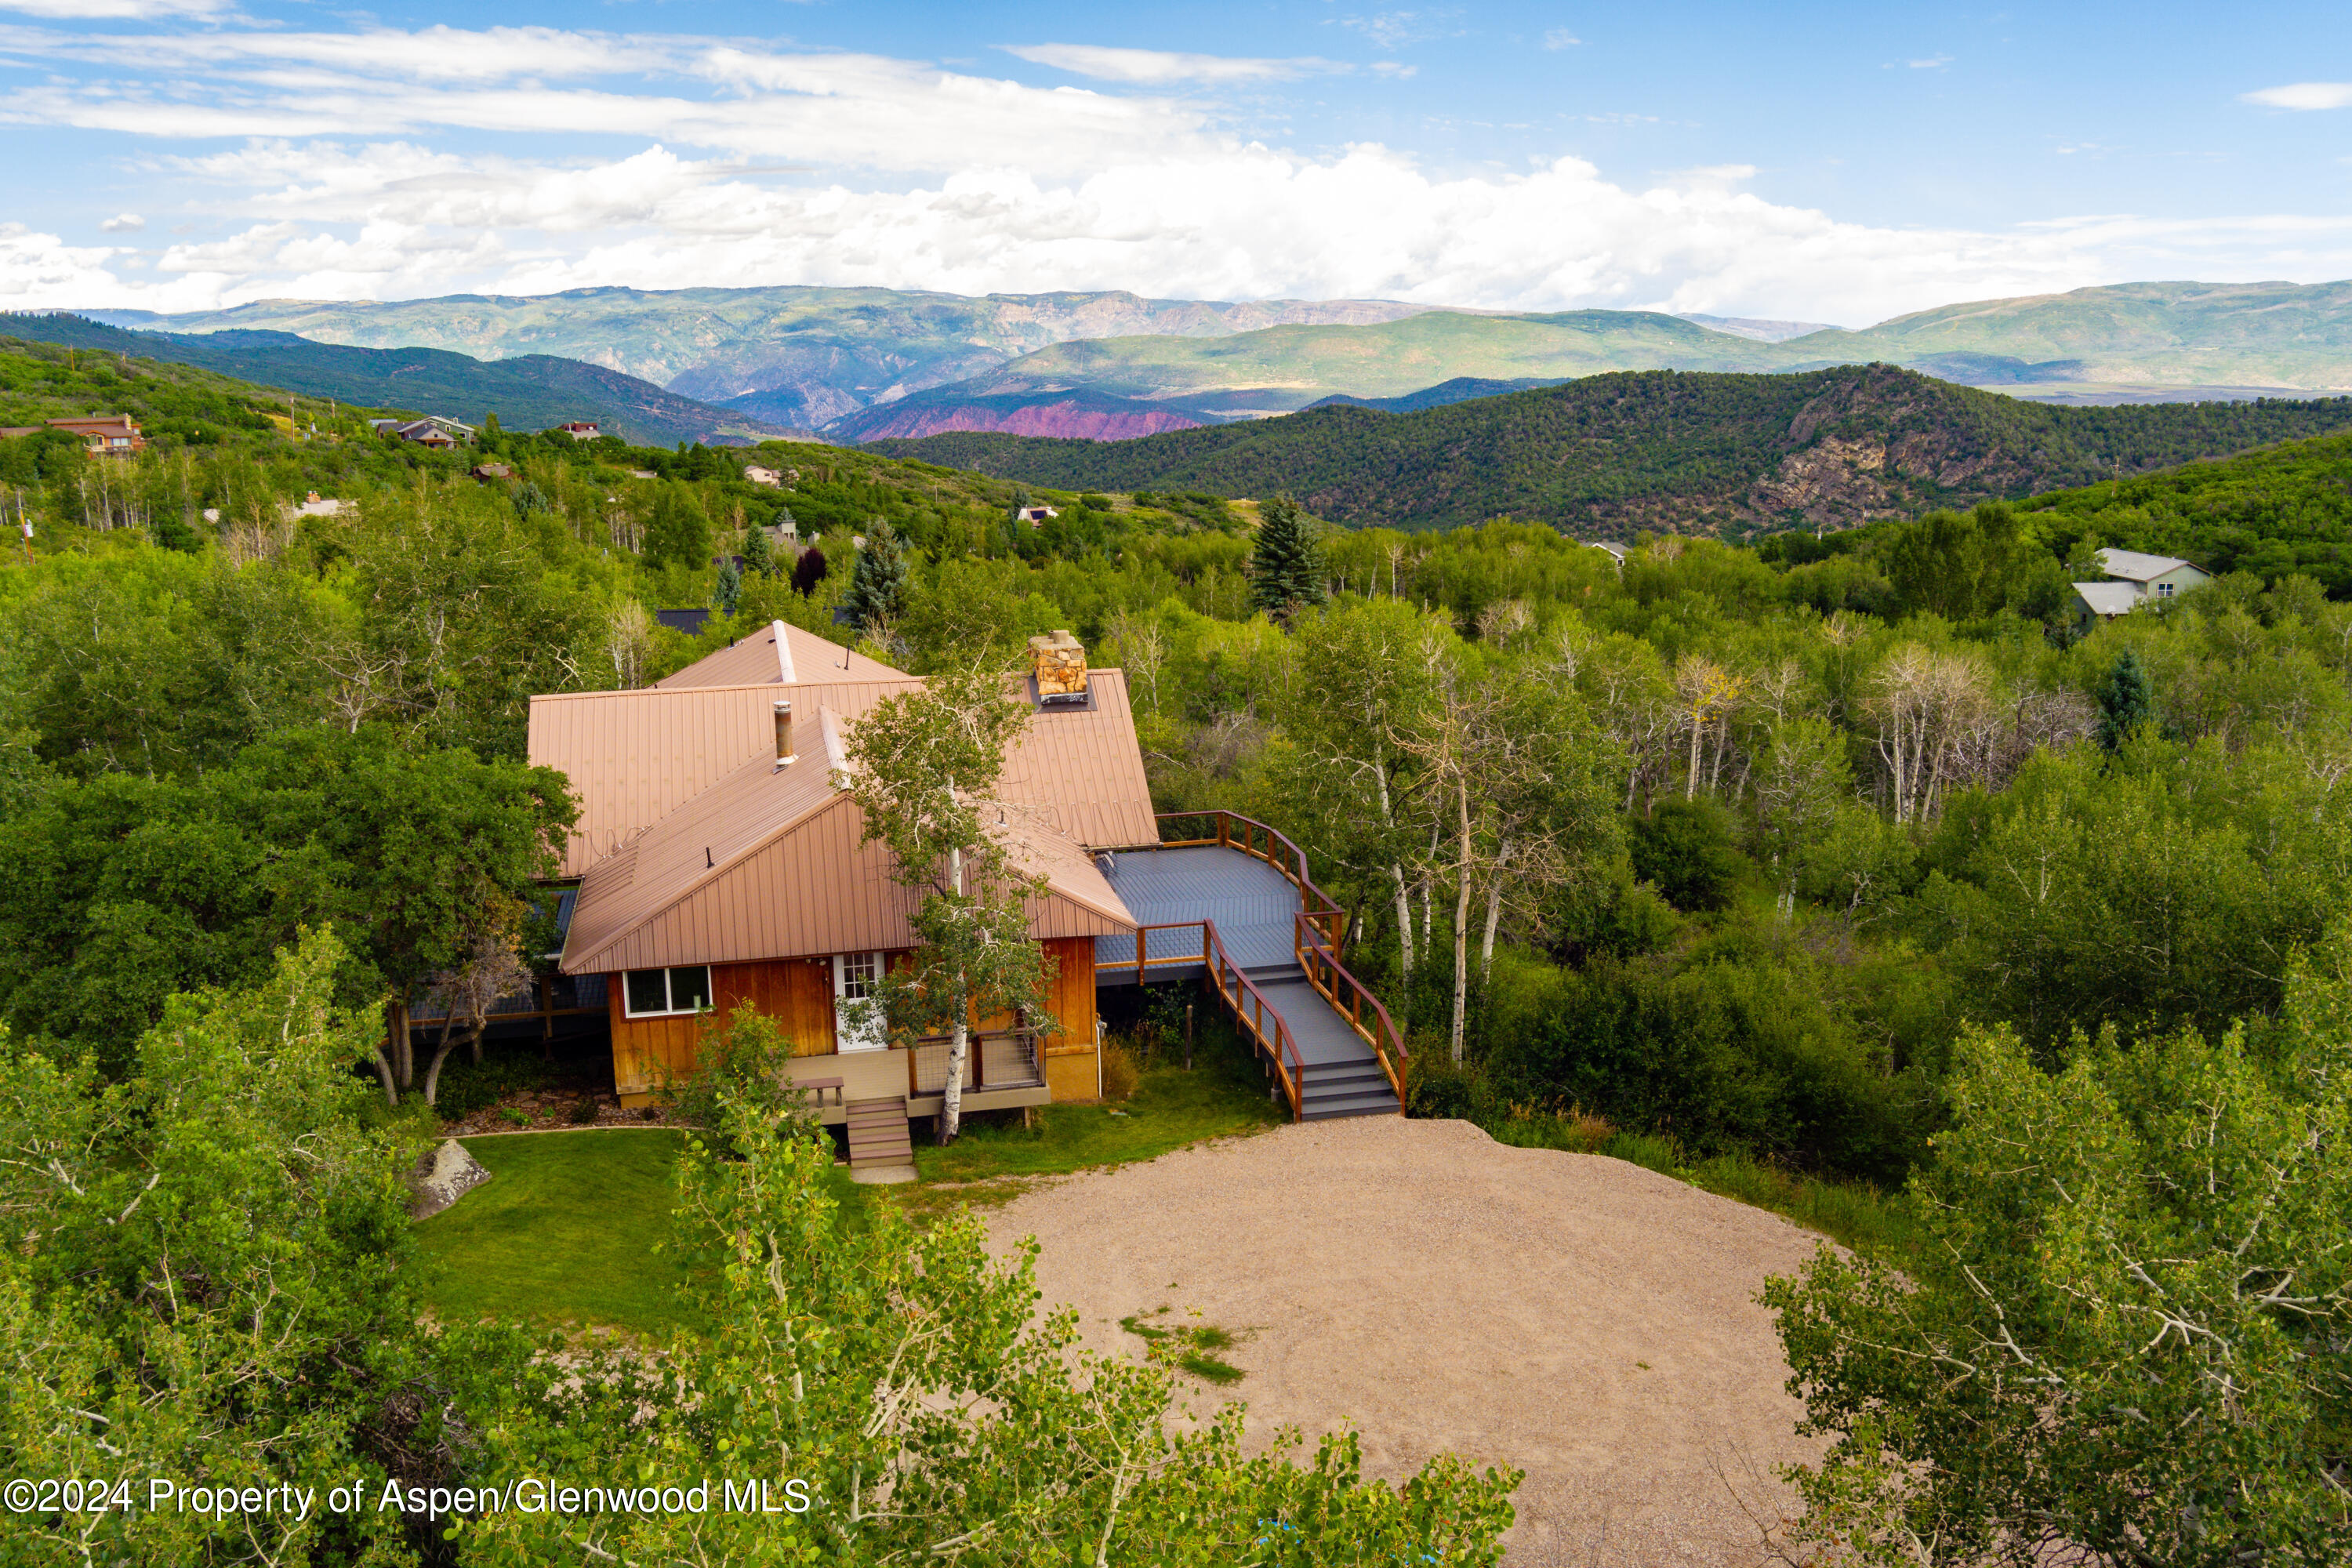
(1016, 1065)
(1255, 838)
(1241, 997)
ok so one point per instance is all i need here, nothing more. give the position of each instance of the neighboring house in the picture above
(721, 860)
(2132, 579)
(432, 430)
(690, 622)
(103, 435)
(1616, 552)
(313, 505)
(760, 476)
(1033, 515)
(486, 472)
(581, 429)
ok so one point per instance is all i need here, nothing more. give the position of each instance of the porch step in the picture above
(879, 1149)
(1346, 1088)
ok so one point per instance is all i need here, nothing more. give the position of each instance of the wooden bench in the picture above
(818, 1086)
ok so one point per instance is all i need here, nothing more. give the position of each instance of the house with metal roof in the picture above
(719, 858)
(2133, 579)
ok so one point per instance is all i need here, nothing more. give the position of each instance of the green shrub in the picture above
(584, 1111)
(1689, 849)
(468, 1086)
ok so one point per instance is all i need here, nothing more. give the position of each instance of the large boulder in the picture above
(441, 1176)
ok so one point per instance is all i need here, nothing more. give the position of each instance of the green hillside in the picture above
(1285, 368)
(791, 355)
(2283, 509)
(1712, 453)
(527, 394)
(2244, 334)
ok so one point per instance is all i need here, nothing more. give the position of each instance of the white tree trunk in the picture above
(1493, 914)
(951, 1094)
(959, 1037)
(1396, 875)
(1462, 919)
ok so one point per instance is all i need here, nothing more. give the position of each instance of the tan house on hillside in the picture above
(719, 861)
(103, 435)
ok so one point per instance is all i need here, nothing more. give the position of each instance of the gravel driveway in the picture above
(1442, 1291)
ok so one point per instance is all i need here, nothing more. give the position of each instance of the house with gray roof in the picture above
(2130, 580)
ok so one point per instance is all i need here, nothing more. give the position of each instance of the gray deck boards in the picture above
(1252, 905)
(1250, 901)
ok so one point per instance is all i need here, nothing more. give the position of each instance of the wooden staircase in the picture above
(879, 1150)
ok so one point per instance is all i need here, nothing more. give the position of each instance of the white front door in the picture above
(857, 1022)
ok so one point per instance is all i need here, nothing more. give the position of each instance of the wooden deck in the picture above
(1237, 921)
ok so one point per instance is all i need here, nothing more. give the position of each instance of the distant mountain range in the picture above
(795, 355)
(531, 392)
(1117, 364)
(1611, 454)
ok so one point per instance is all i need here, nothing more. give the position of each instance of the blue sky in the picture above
(1824, 162)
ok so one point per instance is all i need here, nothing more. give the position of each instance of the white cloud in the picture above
(346, 182)
(1932, 63)
(119, 10)
(1560, 38)
(1153, 66)
(123, 223)
(2305, 95)
(1395, 29)
(395, 220)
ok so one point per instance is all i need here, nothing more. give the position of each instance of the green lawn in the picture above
(563, 1231)
(1223, 1094)
(566, 1228)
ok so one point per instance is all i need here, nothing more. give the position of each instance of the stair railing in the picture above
(1350, 999)
(1260, 1017)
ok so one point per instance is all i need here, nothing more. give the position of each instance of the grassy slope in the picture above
(41, 381)
(1576, 454)
(2249, 335)
(526, 394)
(1288, 367)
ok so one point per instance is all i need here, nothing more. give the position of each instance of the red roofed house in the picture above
(103, 435)
(719, 859)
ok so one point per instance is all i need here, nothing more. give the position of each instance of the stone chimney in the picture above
(784, 754)
(1058, 660)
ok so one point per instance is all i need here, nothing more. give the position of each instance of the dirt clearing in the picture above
(1581, 1318)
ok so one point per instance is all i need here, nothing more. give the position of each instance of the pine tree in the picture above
(879, 582)
(2127, 700)
(759, 554)
(1286, 569)
(730, 591)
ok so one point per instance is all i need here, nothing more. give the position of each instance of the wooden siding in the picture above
(795, 992)
(1070, 994)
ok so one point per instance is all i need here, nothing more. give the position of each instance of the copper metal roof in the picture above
(782, 653)
(633, 757)
(768, 863)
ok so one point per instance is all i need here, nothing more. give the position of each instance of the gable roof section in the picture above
(769, 863)
(633, 757)
(2108, 598)
(2134, 568)
(782, 653)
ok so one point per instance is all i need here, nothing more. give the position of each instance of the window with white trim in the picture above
(2164, 590)
(657, 993)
